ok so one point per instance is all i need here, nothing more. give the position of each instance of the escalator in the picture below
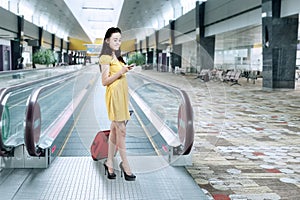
(63, 116)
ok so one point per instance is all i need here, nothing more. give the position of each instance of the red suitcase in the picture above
(99, 147)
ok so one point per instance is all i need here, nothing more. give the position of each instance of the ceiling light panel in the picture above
(96, 16)
(97, 8)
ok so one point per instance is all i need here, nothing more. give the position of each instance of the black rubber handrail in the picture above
(5, 91)
(20, 71)
(186, 110)
(32, 69)
(30, 136)
(1, 140)
(188, 129)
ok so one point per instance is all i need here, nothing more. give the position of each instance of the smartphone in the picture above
(131, 66)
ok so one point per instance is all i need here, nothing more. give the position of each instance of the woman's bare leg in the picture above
(111, 146)
(121, 134)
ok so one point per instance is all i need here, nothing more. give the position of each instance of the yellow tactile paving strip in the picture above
(247, 139)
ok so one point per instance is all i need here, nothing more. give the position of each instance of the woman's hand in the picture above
(131, 66)
(126, 68)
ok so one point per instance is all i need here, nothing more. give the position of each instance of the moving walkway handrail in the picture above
(187, 128)
(185, 116)
(31, 69)
(1, 142)
(32, 125)
(5, 91)
(19, 71)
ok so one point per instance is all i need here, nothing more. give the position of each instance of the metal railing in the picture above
(5, 120)
(45, 118)
(14, 77)
(176, 123)
(33, 117)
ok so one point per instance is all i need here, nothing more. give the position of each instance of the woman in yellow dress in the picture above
(113, 70)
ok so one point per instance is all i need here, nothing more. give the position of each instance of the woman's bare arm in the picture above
(106, 79)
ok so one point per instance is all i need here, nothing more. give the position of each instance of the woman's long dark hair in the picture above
(106, 50)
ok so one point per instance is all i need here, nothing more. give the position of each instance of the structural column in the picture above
(206, 49)
(176, 49)
(17, 44)
(52, 42)
(158, 50)
(61, 51)
(147, 49)
(40, 41)
(141, 46)
(279, 46)
(136, 47)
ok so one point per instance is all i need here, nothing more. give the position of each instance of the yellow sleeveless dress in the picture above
(116, 95)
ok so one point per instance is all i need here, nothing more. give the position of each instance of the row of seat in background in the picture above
(226, 76)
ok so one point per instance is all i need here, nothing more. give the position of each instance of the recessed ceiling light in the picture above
(96, 8)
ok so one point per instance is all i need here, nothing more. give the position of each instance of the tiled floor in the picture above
(82, 178)
(247, 139)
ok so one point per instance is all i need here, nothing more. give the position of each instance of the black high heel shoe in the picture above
(130, 177)
(109, 175)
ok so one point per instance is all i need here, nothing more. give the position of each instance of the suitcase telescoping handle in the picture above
(130, 112)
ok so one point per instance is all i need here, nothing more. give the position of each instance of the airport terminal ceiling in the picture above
(89, 19)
